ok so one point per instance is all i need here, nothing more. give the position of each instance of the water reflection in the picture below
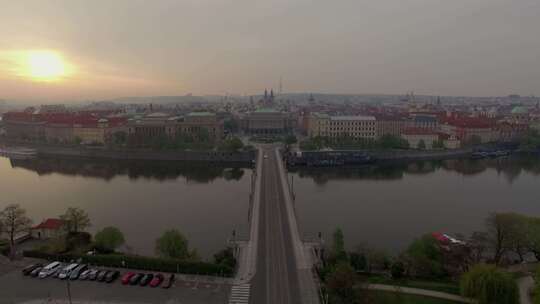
(141, 198)
(510, 168)
(387, 206)
(107, 169)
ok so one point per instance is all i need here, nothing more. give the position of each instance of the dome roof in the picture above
(520, 110)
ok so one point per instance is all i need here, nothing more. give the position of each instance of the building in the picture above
(49, 228)
(467, 129)
(24, 125)
(196, 125)
(333, 127)
(267, 121)
(414, 136)
(423, 121)
(390, 124)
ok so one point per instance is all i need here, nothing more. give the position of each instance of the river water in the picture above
(386, 207)
(383, 206)
(142, 199)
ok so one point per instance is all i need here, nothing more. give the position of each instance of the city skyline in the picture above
(73, 50)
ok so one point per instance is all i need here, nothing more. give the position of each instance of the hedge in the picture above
(139, 262)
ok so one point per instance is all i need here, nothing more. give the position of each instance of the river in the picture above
(386, 207)
(142, 199)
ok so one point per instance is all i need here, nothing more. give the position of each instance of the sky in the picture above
(107, 49)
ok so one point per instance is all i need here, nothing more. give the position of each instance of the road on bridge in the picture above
(276, 279)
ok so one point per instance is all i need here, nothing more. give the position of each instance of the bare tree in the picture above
(14, 220)
(75, 219)
(505, 233)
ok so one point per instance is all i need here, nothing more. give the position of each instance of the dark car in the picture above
(146, 279)
(84, 275)
(158, 278)
(74, 275)
(168, 282)
(28, 269)
(136, 279)
(92, 276)
(102, 275)
(111, 276)
(35, 272)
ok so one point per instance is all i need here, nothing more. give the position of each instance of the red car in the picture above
(126, 277)
(158, 278)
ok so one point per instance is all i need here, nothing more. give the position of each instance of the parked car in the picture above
(111, 276)
(35, 272)
(158, 278)
(84, 275)
(136, 279)
(64, 273)
(168, 282)
(75, 273)
(92, 276)
(58, 270)
(28, 269)
(146, 279)
(127, 277)
(101, 275)
(49, 270)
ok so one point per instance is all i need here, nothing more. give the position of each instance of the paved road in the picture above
(420, 292)
(276, 278)
(525, 286)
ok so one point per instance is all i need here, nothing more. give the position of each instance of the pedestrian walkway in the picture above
(420, 292)
(239, 294)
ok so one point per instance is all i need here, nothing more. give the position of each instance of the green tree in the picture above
(397, 270)
(438, 144)
(225, 257)
(340, 284)
(109, 238)
(426, 257)
(231, 144)
(120, 137)
(290, 140)
(489, 285)
(75, 220)
(172, 244)
(77, 140)
(421, 144)
(475, 140)
(13, 220)
(231, 125)
(338, 246)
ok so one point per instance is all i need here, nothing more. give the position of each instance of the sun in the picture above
(45, 65)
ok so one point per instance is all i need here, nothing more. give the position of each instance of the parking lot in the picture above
(16, 288)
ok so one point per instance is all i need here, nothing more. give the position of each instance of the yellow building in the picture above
(357, 127)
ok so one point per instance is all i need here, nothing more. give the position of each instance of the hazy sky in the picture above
(133, 48)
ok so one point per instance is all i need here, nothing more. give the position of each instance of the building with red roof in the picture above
(49, 228)
(467, 129)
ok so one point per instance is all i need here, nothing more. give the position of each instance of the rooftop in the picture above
(352, 118)
(50, 223)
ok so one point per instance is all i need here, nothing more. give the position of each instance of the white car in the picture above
(48, 270)
(64, 273)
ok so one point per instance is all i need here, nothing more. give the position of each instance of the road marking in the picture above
(239, 294)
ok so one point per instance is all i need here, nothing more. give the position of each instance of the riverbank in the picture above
(240, 157)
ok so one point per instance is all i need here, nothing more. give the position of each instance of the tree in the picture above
(225, 257)
(290, 139)
(231, 144)
(172, 244)
(533, 237)
(421, 144)
(109, 238)
(397, 270)
(13, 219)
(425, 257)
(478, 243)
(438, 144)
(489, 285)
(503, 231)
(340, 284)
(75, 220)
(338, 246)
(475, 140)
(120, 137)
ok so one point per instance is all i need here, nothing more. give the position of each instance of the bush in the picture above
(489, 285)
(139, 262)
(397, 270)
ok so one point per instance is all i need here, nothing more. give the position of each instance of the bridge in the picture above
(274, 264)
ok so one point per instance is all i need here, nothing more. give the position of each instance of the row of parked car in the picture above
(76, 271)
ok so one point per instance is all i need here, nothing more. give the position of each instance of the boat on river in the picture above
(18, 153)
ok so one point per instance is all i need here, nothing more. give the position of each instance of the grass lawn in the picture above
(442, 285)
(381, 297)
